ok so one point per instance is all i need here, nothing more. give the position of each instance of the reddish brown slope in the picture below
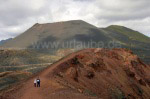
(50, 88)
(88, 74)
(107, 73)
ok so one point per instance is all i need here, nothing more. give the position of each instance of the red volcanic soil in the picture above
(116, 73)
(89, 74)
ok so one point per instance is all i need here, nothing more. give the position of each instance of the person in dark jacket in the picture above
(38, 82)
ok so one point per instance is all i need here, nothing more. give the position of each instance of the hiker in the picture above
(35, 83)
(38, 82)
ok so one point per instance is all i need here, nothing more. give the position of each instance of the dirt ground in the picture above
(89, 74)
(50, 89)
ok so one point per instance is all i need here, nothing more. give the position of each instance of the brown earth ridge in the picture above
(89, 74)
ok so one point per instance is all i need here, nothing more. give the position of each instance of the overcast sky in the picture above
(18, 15)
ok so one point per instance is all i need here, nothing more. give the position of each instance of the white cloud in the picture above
(18, 15)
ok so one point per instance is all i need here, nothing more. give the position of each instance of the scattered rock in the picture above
(90, 75)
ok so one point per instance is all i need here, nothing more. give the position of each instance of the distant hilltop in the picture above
(60, 35)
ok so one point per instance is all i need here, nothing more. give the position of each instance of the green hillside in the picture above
(133, 35)
(16, 65)
(131, 39)
(42, 36)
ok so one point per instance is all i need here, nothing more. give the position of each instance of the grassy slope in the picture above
(8, 78)
(24, 57)
(133, 35)
(50, 32)
(16, 65)
(134, 40)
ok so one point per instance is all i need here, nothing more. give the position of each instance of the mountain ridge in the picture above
(4, 41)
(80, 31)
(133, 31)
(89, 74)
